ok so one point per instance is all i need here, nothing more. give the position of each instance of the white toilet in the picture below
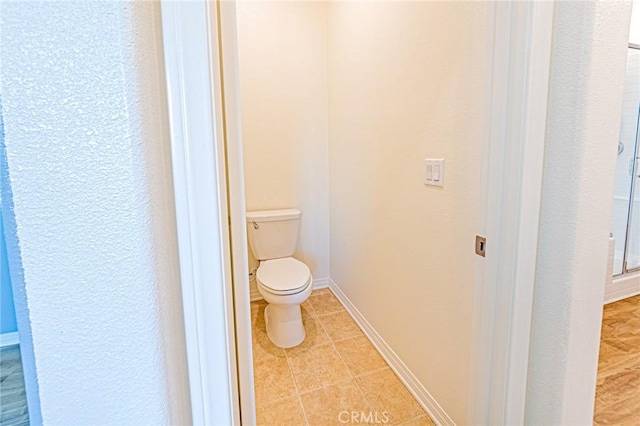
(284, 282)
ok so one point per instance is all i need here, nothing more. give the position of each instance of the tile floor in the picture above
(334, 374)
(618, 385)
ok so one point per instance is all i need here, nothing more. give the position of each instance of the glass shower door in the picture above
(626, 201)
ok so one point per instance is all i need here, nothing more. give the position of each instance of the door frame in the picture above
(201, 70)
(205, 140)
(512, 184)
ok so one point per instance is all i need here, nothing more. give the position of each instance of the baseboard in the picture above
(420, 393)
(8, 339)
(317, 284)
(627, 285)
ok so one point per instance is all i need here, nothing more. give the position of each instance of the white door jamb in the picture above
(195, 96)
(512, 190)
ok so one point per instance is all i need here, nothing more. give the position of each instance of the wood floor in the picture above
(334, 377)
(13, 399)
(618, 386)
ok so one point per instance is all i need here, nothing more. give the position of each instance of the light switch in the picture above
(434, 171)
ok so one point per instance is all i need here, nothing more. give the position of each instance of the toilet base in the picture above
(284, 325)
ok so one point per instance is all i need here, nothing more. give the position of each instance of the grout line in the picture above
(323, 328)
(354, 337)
(327, 313)
(374, 371)
(295, 383)
(404, 422)
(311, 308)
(353, 377)
(276, 401)
(330, 313)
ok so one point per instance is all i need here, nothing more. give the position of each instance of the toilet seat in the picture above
(283, 276)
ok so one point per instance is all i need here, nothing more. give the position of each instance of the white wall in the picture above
(406, 81)
(634, 33)
(587, 76)
(283, 85)
(89, 166)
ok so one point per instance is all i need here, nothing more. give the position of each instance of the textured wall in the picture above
(283, 84)
(406, 81)
(88, 161)
(586, 85)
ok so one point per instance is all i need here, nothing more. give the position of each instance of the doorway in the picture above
(522, 272)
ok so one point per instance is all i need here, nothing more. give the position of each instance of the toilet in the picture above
(283, 281)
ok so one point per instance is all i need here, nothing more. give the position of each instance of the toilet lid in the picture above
(283, 276)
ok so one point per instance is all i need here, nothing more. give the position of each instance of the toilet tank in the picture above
(273, 233)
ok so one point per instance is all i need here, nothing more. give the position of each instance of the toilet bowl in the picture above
(283, 281)
(285, 284)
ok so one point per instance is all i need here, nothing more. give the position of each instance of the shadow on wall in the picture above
(7, 310)
(13, 268)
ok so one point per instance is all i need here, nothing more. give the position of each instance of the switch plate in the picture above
(434, 175)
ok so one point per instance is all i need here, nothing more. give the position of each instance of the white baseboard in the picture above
(622, 287)
(8, 339)
(420, 393)
(317, 284)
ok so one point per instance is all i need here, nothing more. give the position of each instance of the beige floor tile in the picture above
(272, 380)
(255, 308)
(333, 405)
(314, 333)
(419, 421)
(340, 326)
(385, 392)
(306, 310)
(283, 412)
(306, 305)
(360, 355)
(258, 303)
(263, 348)
(324, 302)
(319, 367)
(321, 370)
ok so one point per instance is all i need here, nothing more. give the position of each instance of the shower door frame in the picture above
(634, 182)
